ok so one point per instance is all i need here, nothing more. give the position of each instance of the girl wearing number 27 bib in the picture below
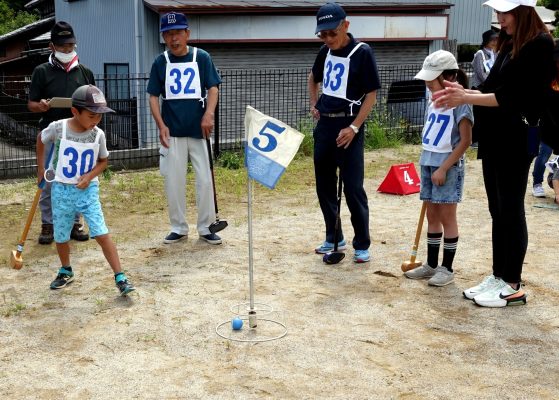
(446, 136)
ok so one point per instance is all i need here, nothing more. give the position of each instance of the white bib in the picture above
(75, 159)
(182, 80)
(437, 132)
(336, 73)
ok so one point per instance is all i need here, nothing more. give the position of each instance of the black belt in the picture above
(336, 115)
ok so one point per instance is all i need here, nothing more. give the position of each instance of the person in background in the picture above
(481, 64)
(59, 77)
(512, 100)
(484, 58)
(545, 150)
(348, 73)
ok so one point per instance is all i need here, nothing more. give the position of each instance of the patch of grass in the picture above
(13, 309)
(383, 130)
(231, 159)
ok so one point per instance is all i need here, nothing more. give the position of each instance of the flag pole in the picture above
(251, 313)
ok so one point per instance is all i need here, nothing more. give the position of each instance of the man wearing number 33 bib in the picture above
(187, 81)
(80, 155)
(348, 73)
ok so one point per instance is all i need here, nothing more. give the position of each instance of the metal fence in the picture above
(132, 136)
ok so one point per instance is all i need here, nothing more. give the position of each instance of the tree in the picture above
(10, 20)
(551, 4)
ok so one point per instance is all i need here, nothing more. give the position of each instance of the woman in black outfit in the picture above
(511, 100)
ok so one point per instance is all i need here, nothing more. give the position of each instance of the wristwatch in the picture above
(355, 129)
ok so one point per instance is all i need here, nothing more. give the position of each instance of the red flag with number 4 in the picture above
(401, 179)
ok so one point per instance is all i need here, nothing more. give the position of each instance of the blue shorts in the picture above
(450, 192)
(67, 200)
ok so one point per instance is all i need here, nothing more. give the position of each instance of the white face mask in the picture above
(65, 58)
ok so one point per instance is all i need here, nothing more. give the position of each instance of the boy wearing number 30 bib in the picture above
(446, 136)
(80, 155)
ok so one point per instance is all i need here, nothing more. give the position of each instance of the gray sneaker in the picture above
(423, 272)
(442, 277)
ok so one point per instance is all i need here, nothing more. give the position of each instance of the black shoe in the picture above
(174, 237)
(63, 278)
(78, 233)
(125, 287)
(211, 238)
(47, 234)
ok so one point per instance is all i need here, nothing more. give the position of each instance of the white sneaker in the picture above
(501, 296)
(487, 284)
(423, 272)
(538, 190)
(442, 277)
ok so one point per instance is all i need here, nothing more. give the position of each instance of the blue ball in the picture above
(236, 324)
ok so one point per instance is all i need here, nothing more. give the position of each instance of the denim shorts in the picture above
(67, 200)
(450, 192)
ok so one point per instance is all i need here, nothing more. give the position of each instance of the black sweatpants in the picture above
(327, 158)
(505, 185)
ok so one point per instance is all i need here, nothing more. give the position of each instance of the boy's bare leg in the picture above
(110, 252)
(63, 250)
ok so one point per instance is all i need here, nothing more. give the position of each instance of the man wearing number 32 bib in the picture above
(80, 155)
(187, 81)
(348, 73)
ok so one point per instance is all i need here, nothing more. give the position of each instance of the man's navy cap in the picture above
(173, 20)
(329, 17)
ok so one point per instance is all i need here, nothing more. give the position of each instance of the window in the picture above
(117, 85)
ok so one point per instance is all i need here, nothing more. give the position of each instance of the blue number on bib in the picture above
(326, 81)
(431, 119)
(72, 162)
(272, 142)
(176, 89)
(189, 73)
(87, 160)
(336, 82)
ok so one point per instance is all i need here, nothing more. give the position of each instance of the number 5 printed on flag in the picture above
(272, 141)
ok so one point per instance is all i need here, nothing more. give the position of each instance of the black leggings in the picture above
(505, 185)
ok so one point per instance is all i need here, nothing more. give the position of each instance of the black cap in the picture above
(62, 33)
(487, 36)
(556, 50)
(90, 98)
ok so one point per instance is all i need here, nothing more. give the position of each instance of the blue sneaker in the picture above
(211, 238)
(327, 247)
(123, 284)
(174, 237)
(361, 256)
(63, 278)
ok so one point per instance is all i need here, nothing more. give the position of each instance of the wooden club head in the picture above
(408, 265)
(16, 262)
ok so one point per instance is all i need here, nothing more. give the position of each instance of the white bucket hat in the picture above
(507, 5)
(435, 63)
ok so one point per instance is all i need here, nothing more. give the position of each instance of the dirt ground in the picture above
(353, 331)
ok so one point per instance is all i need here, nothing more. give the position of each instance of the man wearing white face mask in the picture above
(59, 77)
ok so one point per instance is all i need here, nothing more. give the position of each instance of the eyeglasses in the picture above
(330, 33)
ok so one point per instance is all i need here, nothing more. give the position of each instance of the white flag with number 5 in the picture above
(270, 147)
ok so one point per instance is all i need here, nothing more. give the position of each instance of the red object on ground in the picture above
(401, 179)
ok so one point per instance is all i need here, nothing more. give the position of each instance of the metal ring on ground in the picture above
(282, 333)
(264, 309)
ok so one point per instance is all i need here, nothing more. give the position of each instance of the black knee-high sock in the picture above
(449, 250)
(433, 245)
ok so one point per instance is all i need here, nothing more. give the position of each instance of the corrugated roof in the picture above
(266, 6)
